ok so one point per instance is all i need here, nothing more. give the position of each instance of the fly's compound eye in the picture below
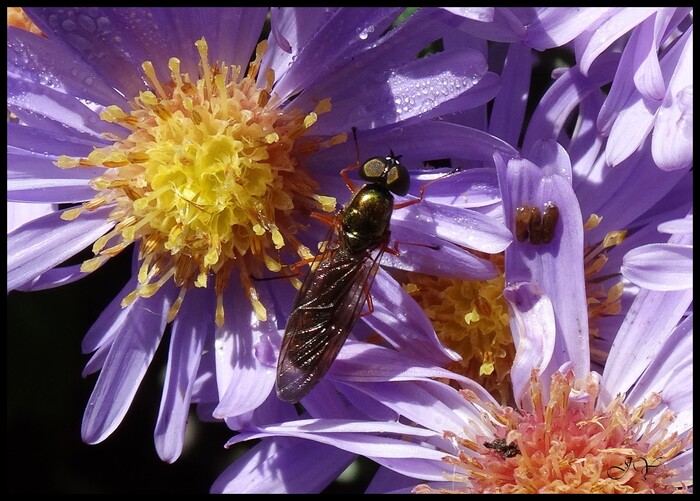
(397, 179)
(387, 171)
(532, 225)
(374, 169)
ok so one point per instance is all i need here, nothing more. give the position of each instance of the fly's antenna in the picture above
(357, 146)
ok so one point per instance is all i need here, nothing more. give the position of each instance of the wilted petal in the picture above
(555, 268)
(534, 333)
(672, 139)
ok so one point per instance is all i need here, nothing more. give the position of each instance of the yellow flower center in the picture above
(602, 301)
(568, 446)
(207, 180)
(471, 318)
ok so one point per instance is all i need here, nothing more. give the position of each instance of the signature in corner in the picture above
(639, 463)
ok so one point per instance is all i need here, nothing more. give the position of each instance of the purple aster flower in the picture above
(570, 429)
(164, 140)
(652, 92)
(550, 271)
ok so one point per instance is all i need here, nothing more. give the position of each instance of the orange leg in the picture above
(370, 304)
(344, 174)
(421, 195)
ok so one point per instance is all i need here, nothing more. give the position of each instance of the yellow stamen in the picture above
(207, 180)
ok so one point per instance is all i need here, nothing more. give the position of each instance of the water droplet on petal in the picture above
(69, 25)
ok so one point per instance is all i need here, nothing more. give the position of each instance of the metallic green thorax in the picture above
(366, 218)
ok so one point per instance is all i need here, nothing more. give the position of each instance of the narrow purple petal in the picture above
(247, 381)
(555, 268)
(621, 88)
(611, 30)
(556, 26)
(61, 68)
(672, 139)
(445, 82)
(444, 76)
(400, 455)
(647, 76)
(650, 320)
(125, 366)
(508, 109)
(497, 24)
(460, 226)
(417, 143)
(428, 403)
(360, 405)
(586, 142)
(331, 427)
(563, 96)
(661, 267)
(345, 33)
(367, 363)
(291, 28)
(20, 213)
(47, 241)
(426, 254)
(534, 332)
(386, 481)
(325, 401)
(283, 466)
(681, 229)
(32, 177)
(42, 107)
(399, 319)
(54, 277)
(676, 351)
(110, 321)
(189, 330)
(633, 125)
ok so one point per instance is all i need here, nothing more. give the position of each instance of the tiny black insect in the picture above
(505, 451)
(531, 225)
(338, 283)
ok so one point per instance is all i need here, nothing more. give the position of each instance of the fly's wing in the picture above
(324, 312)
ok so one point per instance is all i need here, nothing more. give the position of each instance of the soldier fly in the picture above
(338, 283)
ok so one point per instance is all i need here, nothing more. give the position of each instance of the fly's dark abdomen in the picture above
(366, 219)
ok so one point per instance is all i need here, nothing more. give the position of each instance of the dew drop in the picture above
(68, 25)
(87, 23)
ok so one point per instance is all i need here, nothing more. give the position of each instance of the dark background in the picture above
(46, 396)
